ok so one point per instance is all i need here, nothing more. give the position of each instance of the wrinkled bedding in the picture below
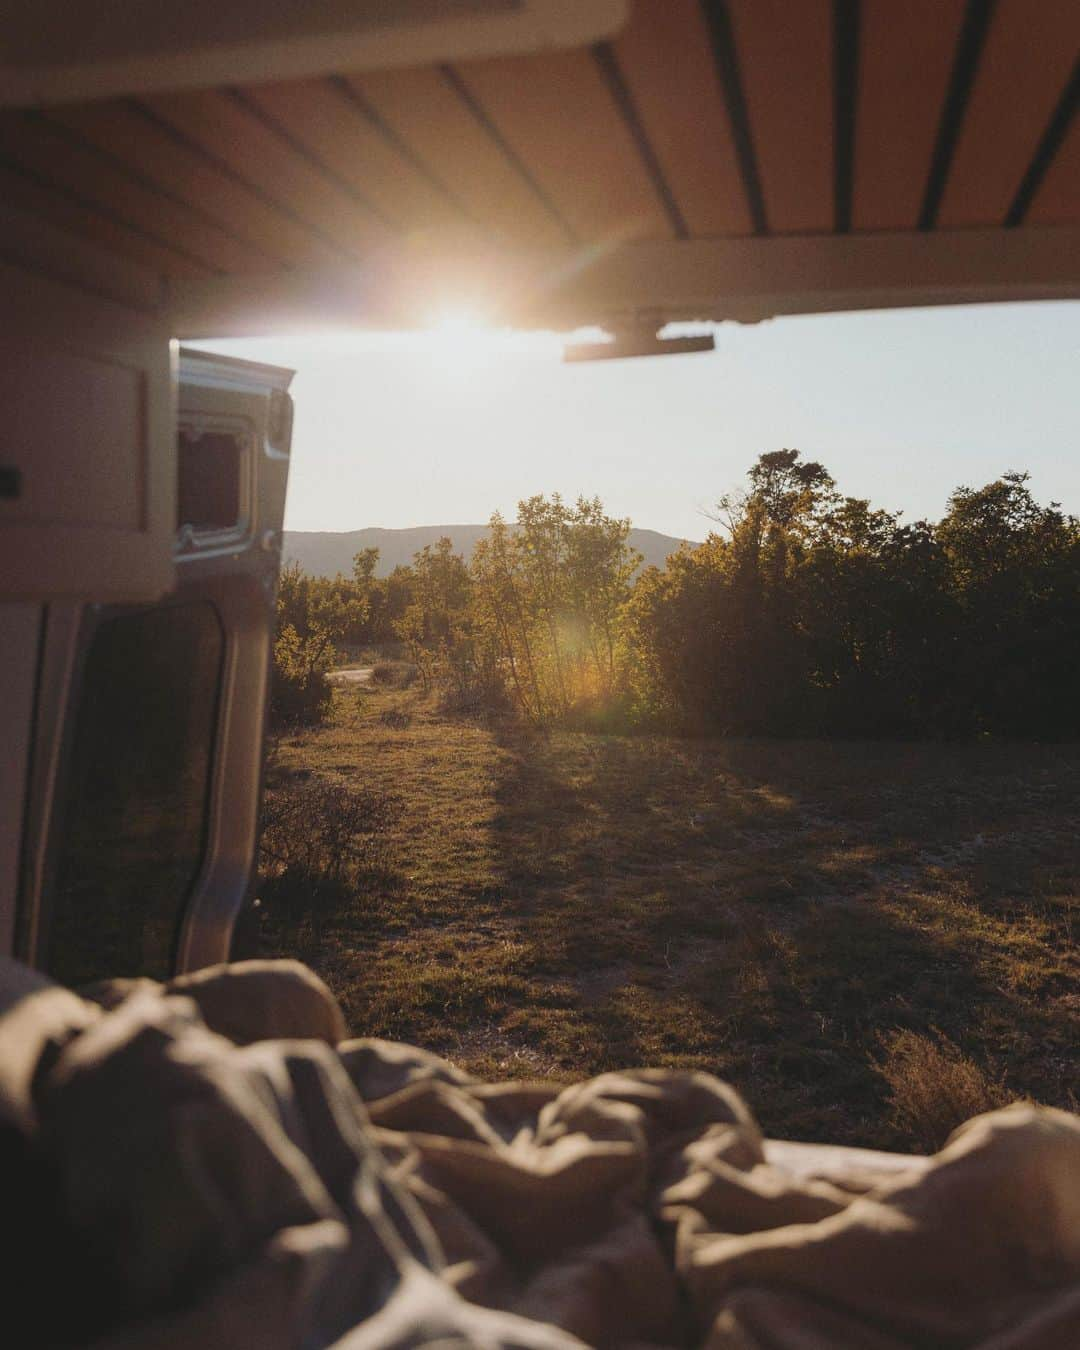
(211, 1163)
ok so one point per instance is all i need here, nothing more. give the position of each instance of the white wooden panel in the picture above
(675, 280)
(59, 405)
(87, 446)
(56, 52)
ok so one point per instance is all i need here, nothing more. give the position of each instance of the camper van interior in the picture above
(192, 1150)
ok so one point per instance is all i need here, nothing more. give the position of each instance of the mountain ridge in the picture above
(325, 553)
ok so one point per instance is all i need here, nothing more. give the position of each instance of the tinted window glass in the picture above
(208, 482)
(137, 793)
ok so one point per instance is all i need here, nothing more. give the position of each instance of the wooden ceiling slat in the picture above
(905, 60)
(422, 108)
(52, 155)
(1029, 55)
(335, 130)
(225, 129)
(786, 59)
(1057, 199)
(122, 129)
(237, 257)
(666, 61)
(558, 116)
(47, 203)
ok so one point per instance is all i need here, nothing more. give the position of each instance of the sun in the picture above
(459, 345)
(460, 323)
(461, 334)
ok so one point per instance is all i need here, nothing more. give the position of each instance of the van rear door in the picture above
(146, 835)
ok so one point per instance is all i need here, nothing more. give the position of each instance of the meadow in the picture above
(871, 940)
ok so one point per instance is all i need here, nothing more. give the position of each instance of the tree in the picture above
(439, 625)
(600, 567)
(549, 596)
(1014, 570)
(818, 614)
(314, 615)
(503, 616)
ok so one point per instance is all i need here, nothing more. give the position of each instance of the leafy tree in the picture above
(549, 598)
(314, 616)
(504, 616)
(817, 614)
(1014, 569)
(435, 623)
(806, 613)
(600, 568)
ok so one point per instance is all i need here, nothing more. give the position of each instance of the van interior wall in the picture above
(87, 376)
(87, 488)
(20, 633)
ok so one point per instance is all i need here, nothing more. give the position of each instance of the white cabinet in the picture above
(87, 445)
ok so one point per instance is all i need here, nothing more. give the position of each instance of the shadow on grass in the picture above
(766, 911)
(560, 904)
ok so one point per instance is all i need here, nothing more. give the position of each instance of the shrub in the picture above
(299, 692)
(470, 692)
(315, 617)
(393, 674)
(933, 1087)
(316, 829)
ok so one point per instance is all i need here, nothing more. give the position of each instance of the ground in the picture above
(870, 941)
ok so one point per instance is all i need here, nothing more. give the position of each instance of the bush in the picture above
(316, 617)
(299, 692)
(934, 1087)
(315, 829)
(393, 674)
(471, 694)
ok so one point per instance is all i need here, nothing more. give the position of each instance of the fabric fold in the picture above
(194, 1181)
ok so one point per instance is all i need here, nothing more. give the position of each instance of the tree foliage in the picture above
(549, 598)
(805, 613)
(816, 614)
(315, 616)
(534, 619)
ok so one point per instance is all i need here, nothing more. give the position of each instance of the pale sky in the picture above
(901, 406)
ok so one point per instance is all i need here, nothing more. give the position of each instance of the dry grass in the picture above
(560, 904)
(934, 1087)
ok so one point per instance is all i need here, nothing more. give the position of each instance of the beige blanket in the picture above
(208, 1164)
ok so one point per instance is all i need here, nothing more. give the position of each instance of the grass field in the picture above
(871, 941)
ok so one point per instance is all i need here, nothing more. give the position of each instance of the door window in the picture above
(138, 792)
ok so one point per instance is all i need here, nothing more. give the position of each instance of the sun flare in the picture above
(463, 346)
(459, 346)
(461, 323)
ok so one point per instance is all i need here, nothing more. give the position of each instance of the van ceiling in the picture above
(714, 158)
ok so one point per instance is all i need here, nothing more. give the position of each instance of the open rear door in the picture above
(144, 800)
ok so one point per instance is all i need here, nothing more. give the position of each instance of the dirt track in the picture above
(359, 675)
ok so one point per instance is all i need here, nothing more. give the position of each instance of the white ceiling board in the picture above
(56, 52)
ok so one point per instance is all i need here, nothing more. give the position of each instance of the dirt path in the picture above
(358, 675)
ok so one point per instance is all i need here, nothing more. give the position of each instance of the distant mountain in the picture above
(324, 554)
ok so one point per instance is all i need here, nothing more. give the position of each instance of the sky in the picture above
(902, 406)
